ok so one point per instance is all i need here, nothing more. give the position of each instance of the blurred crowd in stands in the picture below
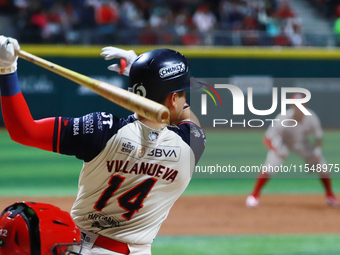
(329, 9)
(150, 22)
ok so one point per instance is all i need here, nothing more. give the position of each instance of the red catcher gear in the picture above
(29, 228)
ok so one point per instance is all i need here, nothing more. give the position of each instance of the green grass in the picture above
(28, 171)
(240, 148)
(31, 171)
(244, 245)
(244, 186)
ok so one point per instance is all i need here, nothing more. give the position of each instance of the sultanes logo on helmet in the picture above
(138, 89)
(172, 70)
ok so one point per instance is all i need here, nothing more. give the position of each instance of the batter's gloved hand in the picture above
(8, 58)
(113, 52)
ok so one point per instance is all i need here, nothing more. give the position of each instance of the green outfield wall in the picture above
(313, 68)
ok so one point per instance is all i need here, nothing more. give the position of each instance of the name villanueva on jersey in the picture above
(239, 102)
(144, 153)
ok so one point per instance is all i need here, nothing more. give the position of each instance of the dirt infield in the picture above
(215, 215)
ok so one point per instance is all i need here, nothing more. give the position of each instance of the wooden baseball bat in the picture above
(128, 100)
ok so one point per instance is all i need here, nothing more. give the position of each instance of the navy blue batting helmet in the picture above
(158, 73)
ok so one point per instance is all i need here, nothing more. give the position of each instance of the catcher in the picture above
(29, 228)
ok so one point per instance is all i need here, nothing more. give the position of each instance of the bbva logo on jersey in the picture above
(160, 153)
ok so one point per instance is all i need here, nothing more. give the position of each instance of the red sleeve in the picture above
(22, 127)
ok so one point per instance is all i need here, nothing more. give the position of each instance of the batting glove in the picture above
(8, 59)
(113, 52)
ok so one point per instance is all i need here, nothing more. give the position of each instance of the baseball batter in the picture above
(281, 140)
(134, 169)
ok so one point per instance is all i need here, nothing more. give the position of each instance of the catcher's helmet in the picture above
(29, 228)
(157, 73)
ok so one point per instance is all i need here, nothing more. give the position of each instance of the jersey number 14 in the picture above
(131, 201)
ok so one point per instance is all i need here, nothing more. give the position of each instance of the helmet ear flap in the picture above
(14, 236)
(21, 235)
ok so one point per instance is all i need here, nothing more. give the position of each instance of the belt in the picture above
(112, 245)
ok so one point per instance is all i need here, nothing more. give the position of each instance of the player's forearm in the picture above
(18, 119)
(277, 145)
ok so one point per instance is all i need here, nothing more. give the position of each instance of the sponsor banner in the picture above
(34, 84)
(330, 85)
(117, 81)
(262, 85)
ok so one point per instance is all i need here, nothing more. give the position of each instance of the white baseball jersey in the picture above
(132, 174)
(292, 137)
